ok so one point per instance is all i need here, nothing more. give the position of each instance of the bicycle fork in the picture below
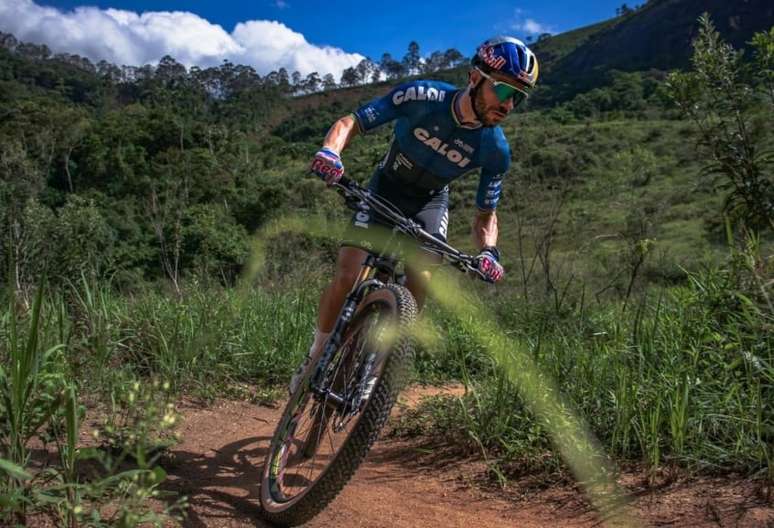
(353, 299)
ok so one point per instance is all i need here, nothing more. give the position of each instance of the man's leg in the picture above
(434, 217)
(418, 275)
(347, 268)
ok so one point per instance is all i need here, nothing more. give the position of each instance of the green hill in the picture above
(138, 150)
(657, 36)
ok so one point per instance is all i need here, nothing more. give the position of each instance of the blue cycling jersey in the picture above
(431, 148)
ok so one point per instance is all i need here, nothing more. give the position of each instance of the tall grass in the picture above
(686, 378)
(208, 339)
(31, 391)
(200, 342)
(90, 339)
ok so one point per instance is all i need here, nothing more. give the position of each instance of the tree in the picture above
(436, 61)
(391, 68)
(33, 51)
(296, 81)
(20, 182)
(376, 74)
(283, 80)
(365, 69)
(412, 61)
(453, 58)
(170, 71)
(108, 71)
(763, 44)
(328, 82)
(8, 41)
(76, 60)
(312, 83)
(214, 243)
(720, 101)
(350, 77)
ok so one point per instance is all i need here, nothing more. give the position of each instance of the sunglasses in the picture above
(505, 91)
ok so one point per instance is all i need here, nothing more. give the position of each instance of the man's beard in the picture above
(480, 108)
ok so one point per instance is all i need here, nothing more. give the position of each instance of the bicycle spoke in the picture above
(321, 428)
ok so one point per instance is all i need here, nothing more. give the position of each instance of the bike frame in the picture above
(377, 262)
(366, 281)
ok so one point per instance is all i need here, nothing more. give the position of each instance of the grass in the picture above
(682, 378)
(135, 354)
(677, 375)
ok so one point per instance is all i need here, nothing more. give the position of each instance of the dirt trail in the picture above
(218, 465)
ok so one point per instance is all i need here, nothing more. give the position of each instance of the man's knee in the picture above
(419, 278)
(348, 266)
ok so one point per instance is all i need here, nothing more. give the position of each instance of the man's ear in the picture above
(473, 77)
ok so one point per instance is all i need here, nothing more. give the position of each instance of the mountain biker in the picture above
(441, 133)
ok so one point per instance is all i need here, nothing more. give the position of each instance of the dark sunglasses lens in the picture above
(504, 91)
(518, 98)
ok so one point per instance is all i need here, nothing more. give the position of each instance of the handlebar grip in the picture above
(344, 181)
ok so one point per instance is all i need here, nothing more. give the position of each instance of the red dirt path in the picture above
(218, 466)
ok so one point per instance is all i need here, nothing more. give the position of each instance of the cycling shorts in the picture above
(430, 209)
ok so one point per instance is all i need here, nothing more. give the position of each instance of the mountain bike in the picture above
(335, 415)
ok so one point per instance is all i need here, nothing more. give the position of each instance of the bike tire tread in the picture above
(367, 430)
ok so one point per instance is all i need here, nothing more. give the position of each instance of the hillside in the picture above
(113, 146)
(657, 36)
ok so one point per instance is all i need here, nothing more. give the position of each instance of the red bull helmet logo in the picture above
(490, 59)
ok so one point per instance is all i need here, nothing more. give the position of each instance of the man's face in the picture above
(489, 108)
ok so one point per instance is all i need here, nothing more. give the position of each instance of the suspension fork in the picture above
(363, 283)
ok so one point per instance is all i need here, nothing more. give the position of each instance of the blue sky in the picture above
(296, 34)
(347, 24)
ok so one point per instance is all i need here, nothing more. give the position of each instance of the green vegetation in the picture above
(38, 402)
(149, 203)
(682, 378)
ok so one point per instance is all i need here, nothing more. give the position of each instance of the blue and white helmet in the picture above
(509, 56)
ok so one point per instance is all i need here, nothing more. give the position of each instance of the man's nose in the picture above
(507, 105)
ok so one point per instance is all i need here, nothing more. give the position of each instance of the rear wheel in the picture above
(321, 440)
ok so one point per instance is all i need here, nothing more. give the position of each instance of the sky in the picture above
(296, 34)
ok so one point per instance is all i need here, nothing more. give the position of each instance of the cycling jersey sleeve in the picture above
(496, 158)
(402, 101)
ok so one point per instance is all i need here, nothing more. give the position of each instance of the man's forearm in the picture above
(340, 133)
(485, 229)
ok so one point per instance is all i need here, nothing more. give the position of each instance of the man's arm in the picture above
(485, 229)
(485, 237)
(341, 133)
(327, 162)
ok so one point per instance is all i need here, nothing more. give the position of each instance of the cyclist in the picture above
(441, 133)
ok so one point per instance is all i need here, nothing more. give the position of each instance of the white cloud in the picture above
(125, 37)
(534, 27)
(529, 26)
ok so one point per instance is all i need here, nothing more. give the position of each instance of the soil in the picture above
(406, 484)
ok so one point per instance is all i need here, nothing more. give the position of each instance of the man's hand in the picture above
(488, 264)
(327, 165)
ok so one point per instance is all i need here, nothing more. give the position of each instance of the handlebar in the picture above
(463, 262)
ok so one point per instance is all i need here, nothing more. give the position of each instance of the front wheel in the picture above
(322, 438)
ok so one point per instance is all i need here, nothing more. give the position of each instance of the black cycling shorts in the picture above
(428, 209)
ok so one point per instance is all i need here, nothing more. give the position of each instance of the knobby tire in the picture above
(365, 432)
